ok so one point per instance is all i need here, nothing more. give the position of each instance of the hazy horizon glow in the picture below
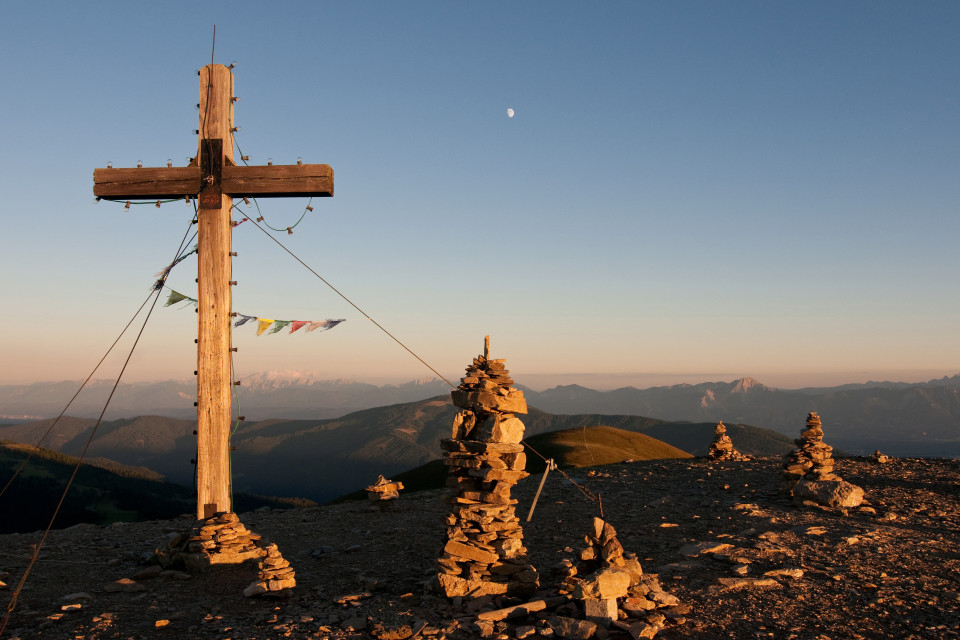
(604, 381)
(751, 189)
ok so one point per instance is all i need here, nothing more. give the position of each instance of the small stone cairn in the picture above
(721, 449)
(879, 458)
(223, 539)
(276, 575)
(383, 493)
(484, 553)
(613, 588)
(808, 472)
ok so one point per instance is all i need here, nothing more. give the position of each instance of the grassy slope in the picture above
(598, 445)
(569, 448)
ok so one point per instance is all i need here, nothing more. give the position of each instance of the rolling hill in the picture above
(597, 445)
(322, 459)
(569, 448)
(102, 492)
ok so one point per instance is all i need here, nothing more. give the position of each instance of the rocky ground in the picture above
(744, 562)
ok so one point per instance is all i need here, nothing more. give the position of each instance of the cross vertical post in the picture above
(214, 233)
(214, 179)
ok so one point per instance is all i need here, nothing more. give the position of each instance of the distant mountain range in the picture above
(908, 419)
(322, 459)
(904, 418)
(308, 439)
(260, 396)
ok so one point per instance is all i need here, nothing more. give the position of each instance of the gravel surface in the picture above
(744, 562)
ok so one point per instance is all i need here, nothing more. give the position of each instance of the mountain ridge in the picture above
(320, 459)
(911, 418)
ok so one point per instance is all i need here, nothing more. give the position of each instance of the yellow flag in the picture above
(263, 325)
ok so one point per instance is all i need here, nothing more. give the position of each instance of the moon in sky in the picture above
(509, 113)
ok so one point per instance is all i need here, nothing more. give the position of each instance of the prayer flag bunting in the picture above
(263, 324)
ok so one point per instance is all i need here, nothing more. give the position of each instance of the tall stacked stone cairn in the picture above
(722, 447)
(808, 472)
(383, 493)
(224, 540)
(484, 553)
(613, 589)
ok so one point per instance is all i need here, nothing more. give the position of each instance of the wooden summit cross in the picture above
(215, 180)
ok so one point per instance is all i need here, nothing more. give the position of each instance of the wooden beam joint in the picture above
(211, 167)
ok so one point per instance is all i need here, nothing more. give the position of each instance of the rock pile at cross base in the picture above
(716, 535)
(224, 540)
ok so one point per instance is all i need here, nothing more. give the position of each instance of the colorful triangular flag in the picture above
(297, 324)
(176, 296)
(263, 324)
(278, 325)
(323, 325)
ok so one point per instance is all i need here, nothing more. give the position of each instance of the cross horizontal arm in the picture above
(146, 182)
(290, 180)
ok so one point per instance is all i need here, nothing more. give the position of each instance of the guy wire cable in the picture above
(350, 302)
(156, 291)
(39, 546)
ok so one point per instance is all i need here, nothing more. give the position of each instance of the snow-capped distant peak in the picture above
(746, 384)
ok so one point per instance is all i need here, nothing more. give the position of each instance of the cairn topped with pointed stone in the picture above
(383, 493)
(811, 460)
(484, 552)
(722, 448)
(808, 472)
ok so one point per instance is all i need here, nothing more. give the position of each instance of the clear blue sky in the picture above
(687, 190)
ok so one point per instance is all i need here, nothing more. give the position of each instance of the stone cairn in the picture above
(484, 553)
(613, 589)
(808, 472)
(276, 575)
(879, 458)
(722, 447)
(383, 493)
(223, 539)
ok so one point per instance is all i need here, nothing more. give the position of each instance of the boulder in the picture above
(829, 493)
(603, 584)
